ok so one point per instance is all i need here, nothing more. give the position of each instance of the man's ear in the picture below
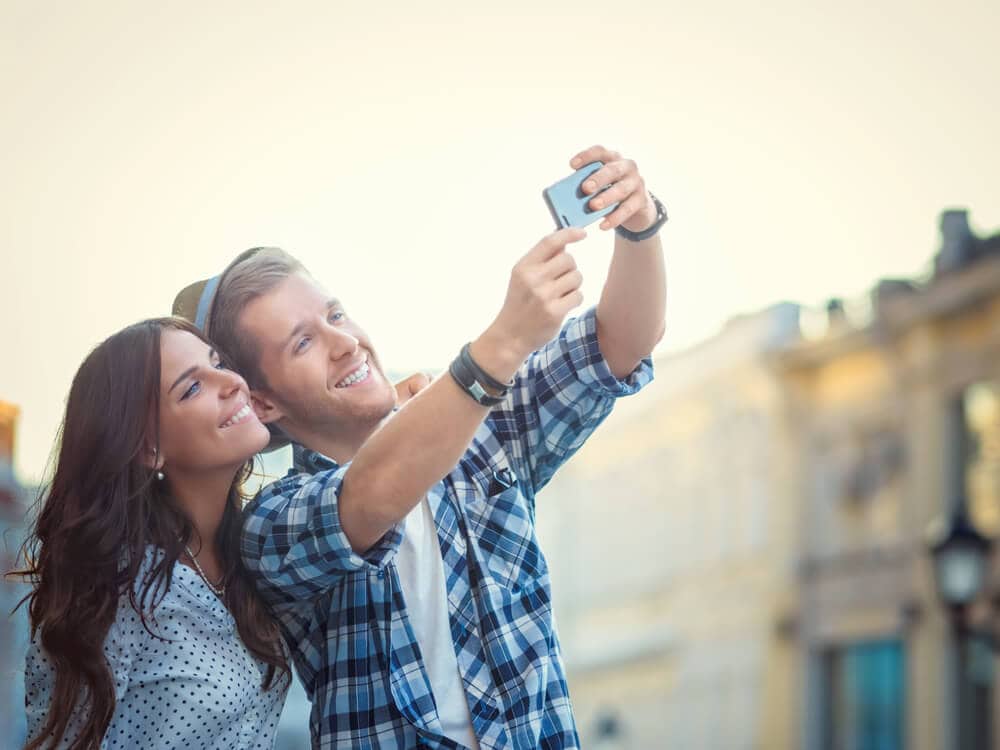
(266, 410)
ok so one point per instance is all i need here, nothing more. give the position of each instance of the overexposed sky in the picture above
(399, 149)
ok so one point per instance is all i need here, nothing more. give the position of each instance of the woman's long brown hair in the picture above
(102, 509)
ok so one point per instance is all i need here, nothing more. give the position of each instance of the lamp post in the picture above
(608, 734)
(961, 556)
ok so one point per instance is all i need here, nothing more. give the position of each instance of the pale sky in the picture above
(803, 150)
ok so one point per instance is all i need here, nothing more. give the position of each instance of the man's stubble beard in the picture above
(348, 421)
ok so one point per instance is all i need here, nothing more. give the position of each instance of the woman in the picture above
(146, 632)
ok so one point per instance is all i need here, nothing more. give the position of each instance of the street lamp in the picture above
(608, 734)
(961, 556)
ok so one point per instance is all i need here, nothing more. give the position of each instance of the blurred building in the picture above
(673, 554)
(13, 628)
(740, 555)
(879, 412)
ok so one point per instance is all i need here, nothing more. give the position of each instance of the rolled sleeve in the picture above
(578, 345)
(293, 541)
(560, 396)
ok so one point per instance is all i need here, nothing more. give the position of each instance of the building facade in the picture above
(740, 556)
(13, 627)
(672, 557)
(880, 413)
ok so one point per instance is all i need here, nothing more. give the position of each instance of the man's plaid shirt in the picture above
(344, 616)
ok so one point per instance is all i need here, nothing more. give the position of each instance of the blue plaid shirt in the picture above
(344, 616)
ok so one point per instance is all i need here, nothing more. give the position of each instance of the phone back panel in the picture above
(568, 203)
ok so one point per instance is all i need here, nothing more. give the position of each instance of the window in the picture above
(865, 697)
(979, 445)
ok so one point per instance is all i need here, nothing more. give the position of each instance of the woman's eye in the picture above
(335, 316)
(195, 387)
(220, 365)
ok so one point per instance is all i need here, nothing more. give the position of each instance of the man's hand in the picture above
(544, 286)
(630, 313)
(636, 211)
(410, 387)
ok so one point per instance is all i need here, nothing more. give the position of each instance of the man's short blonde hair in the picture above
(253, 274)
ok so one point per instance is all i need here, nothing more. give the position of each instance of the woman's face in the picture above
(206, 420)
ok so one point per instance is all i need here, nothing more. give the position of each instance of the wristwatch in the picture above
(645, 234)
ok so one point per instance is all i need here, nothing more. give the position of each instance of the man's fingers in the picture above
(410, 387)
(557, 265)
(617, 192)
(552, 244)
(567, 283)
(594, 153)
(571, 300)
(625, 211)
(609, 174)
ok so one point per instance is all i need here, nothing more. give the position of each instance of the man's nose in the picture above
(340, 342)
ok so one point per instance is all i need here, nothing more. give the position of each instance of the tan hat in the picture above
(194, 302)
(186, 301)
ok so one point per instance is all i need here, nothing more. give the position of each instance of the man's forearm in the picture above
(405, 457)
(630, 314)
(417, 448)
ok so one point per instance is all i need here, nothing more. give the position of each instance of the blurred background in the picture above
(786, 541)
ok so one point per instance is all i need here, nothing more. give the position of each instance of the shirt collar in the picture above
(308, 461)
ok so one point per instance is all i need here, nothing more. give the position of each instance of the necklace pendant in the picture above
(218, 591)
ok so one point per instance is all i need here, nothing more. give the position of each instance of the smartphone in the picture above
(568, 203)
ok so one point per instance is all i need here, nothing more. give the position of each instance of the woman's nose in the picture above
(232, 381)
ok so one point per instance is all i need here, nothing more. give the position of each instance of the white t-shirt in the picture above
(421, 576)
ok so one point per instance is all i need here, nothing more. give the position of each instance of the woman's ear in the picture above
(152, 457)
(266, 410)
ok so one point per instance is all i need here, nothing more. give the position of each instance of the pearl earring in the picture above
(159, 476)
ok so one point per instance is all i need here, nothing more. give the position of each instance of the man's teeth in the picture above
(238, 416)
(360, 374)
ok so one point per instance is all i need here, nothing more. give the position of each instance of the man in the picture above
(399, 555)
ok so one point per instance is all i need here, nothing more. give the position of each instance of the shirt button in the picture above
(381, 573)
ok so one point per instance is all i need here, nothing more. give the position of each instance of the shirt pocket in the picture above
(505, 536)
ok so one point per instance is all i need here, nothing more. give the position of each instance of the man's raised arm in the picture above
(419, 446)
(630, 314)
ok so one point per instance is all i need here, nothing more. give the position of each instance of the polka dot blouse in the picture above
(199, 689)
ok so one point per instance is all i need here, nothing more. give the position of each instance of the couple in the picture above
(396, 565)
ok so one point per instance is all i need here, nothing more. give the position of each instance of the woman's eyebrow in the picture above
(186, 374)
(189, 371)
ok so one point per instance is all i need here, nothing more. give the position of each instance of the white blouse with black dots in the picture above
(201, 688)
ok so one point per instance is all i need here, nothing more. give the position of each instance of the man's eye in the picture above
(195, 387)
(303, 342)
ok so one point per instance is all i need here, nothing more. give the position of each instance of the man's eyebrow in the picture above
(191, 370)
(330, 304)
(295, 332)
